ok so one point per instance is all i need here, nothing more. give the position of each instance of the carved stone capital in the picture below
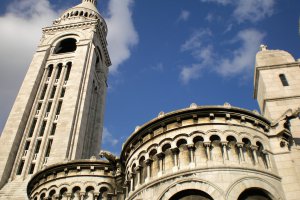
(207, 144)
(254, 147)
(148, 161)
(175, 150)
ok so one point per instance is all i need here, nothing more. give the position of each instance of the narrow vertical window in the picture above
(27, 144)
(58, 107)
(68, 71)
(20, 169)
(37, 147)
(32, 127)
(62, 94)
(43, 128)
(48, 148)
(31, 169)
(53, 92)
(39, 106)
(50, 70)
(53, 129)
(283, 80)
(59, 71)
(49, 107)
(44, 92)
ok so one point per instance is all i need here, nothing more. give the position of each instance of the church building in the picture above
(49, 147)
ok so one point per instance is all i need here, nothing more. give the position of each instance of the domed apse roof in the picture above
(267, 57)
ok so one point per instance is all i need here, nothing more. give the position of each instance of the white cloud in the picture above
(109, 138)
(248, 10)
(243, 58)
(203, 54)
(189, 73)
(224, 2)
(184, 15)
(122, 35)
(20, 32)
(253, 10)
(195, 41)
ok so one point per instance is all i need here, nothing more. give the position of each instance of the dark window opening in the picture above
(39, 106)
(31, 169)
(59, 71)
(254, 193)
(50, 70)
(27, 144)
(32, 127)
(53, 129)
(191, 195)
(37, 147)
(68, 71)
(48, 148)
(283, 80)
(66, 46)
(44, 92)
(62, 94)
(58, 108)
(49, 107)
(43, 128)
(53, 92)
(20, 169)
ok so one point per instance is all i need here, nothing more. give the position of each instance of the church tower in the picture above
(58, 112)
(277, 86)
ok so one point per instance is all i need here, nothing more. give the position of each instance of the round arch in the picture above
(237, 188)
(210, 189)
(191, 194)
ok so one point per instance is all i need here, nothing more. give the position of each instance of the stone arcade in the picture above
(51, 137)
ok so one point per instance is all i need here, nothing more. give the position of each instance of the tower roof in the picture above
(266, 57)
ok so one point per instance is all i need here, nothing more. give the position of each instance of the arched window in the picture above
(254, 193)
(191, 195)
(66, 46)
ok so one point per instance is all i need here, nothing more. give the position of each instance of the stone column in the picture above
(207, 147)
(138, 175)
(131, 176)
(148, 163)
(69, 195)
(96, 195)
(267, 158)
(126, 186)
(81, 195)
(254, 152)
(175, 152)
(224, 150)
(191, 149)
(160, 156)
(240, 149)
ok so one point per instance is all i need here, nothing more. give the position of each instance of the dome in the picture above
(267, 57)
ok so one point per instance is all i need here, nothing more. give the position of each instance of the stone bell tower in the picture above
(58, 112)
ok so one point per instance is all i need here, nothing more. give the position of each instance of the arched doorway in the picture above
(254, 194)
(191, 195)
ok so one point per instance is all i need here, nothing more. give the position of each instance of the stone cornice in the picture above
(189, 113)
(66, 167)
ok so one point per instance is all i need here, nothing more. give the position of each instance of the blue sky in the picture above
(166, 54)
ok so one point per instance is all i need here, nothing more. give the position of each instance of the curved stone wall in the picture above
(82, 179)
(215, 146)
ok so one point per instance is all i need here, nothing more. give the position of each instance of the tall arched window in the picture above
(66, 46)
